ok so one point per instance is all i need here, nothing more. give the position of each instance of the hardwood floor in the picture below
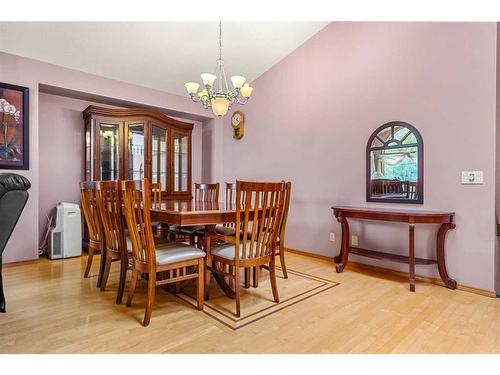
(52, 309)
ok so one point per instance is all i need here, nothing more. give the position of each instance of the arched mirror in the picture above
(394, 164)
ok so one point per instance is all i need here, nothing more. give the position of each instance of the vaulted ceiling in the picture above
(160, 55)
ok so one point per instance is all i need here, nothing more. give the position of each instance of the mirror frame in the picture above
(420, 165)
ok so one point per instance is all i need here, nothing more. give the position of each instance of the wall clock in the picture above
(238, 124)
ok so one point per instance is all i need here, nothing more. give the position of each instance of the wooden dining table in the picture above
(191, 212)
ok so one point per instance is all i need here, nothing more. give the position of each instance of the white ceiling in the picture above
(160, 55)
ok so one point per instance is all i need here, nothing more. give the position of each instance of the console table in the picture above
(412, 217)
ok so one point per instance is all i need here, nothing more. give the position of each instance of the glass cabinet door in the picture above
(181, 162)
(109, 156)
(89, 150)
(137, 143)
(135, 151)
(159, 156)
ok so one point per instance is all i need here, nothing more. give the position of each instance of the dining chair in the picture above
(109, 204)
(94, 225)
(280, 241)
(155, 194)
(156, 203)
(178, 261)
(228, 229)
(230, 201)
(259, 208)
(202, 193)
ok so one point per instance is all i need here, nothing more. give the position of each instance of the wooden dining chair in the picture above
(280, 241)
(94, 225)
(202, 193)
(158, 228)
(155, 194)
(177, 260)
(230, 201)
(259, 208)
(109, 203)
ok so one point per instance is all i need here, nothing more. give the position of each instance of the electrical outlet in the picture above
(332, 237)
(354, 240)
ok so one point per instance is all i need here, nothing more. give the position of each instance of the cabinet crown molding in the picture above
(93, 110)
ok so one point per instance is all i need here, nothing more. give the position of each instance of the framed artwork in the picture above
(14, 127)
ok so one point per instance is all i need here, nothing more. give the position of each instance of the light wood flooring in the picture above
(52, 309)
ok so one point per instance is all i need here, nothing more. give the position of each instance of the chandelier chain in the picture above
(220, 40)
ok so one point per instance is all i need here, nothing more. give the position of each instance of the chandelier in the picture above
(221, 98)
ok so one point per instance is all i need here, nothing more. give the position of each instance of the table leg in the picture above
(448, 281)
(163, 230)
(411, 255)
(341, 259)
(218, 278)
(247, 278)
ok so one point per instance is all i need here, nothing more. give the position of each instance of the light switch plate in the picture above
(472, 177)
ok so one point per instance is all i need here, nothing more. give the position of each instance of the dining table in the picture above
(195, 213)
(191, 212)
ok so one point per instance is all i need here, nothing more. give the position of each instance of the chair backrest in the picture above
(137, 206)
(288, 192)
(156, 194)
(230, 200)
(230, 193)
(206, 192)
(109, 204)
(13, 198)
(259, 210)
(88, 193)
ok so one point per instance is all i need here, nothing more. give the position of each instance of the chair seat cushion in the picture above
(226, 231)
(227, 250)
(174, 252)
(157, 240)
(188, 230)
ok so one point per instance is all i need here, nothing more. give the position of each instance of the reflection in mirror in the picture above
(394, 164)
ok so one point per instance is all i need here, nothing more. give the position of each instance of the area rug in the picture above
(258, 303)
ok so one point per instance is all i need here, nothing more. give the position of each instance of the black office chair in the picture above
(13, 197)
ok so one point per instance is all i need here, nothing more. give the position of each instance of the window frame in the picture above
(420, 162)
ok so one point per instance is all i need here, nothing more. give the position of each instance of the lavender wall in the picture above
(312, 113)
(497, 169)
(61, 133)
(23, 244)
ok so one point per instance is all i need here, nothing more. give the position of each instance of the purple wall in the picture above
(497, 169)
(312, 113)
(61, 133)
(23, 244)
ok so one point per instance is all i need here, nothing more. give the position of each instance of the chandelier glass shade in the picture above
(215, 92)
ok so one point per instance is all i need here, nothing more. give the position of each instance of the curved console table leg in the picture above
(447, 280)
(411, 256)
(341, 259)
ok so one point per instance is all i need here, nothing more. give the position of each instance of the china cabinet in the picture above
(130, 144)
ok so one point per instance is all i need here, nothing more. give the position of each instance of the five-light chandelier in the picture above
(221, 98)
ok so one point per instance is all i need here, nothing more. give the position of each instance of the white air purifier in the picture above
(65, 239)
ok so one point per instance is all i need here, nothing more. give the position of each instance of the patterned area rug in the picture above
(258, 303)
